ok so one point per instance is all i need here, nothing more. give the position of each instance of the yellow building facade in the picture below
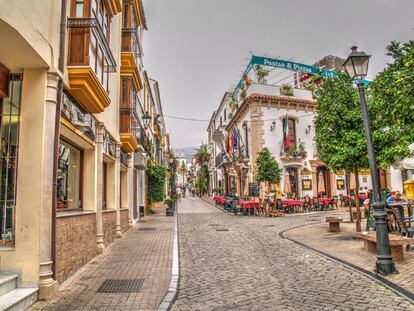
(72, 135)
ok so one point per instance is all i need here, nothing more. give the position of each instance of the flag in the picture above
(247, 80)
(235, 139)
(286, 135)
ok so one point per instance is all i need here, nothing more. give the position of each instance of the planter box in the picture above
(170, 211)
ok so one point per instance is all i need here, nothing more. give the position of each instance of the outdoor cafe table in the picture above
(292, 203)
(326, 201)
(248, 205)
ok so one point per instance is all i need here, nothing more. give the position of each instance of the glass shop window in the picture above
(9, 147)
(69, 177)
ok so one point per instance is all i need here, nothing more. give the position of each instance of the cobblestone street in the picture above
(242, 263)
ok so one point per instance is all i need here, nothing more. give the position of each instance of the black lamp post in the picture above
(147, 119)
(356, 65)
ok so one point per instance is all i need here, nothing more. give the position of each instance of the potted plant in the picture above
(170, 209)
(286, 89)
(218, 191)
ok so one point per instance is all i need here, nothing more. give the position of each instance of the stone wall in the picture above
(124, 220)
(75, 243)
(109, 226)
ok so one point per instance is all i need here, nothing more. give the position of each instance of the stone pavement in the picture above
(140, 254)
(342, 245)
(241, 263)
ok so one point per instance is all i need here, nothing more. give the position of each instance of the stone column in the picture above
(117, 190)
(99, 185)
(47, 285)
(256, 133)
(130, 186)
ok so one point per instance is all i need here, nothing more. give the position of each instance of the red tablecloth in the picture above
(249, 204)
(292, 202)
(363, 196)
(219, 199)
(325, 201)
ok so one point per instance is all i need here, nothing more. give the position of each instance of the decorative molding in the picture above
(87, 89)
(272, 101)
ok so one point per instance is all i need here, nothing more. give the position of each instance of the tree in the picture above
(182, 170)
(156, 174)
(267, 168)
(202, 156)
(392, 105)
(340, 137)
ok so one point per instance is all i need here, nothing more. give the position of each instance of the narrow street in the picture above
(233, 263)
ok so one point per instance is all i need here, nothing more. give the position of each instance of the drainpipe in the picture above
(57, 130)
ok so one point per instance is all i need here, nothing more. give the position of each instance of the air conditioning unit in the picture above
(140, 161)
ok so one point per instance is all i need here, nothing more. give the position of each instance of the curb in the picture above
(171, 294)
(402, 292)
(220, 209)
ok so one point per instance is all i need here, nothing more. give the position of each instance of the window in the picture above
(79, 6)
(293, 179)
(292, 132)
(246, 139)
(69, 177)
(104, 186)
(9, 146)
(225, 114)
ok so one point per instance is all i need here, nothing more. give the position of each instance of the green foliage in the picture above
(339, 125)
(233, 104)
(169, 201)
(392, 104)
(286, 89)
(340, 134)
(243, 92)
(156, 174)
(218, 190)
(267, 168)
(201, 183)
(261, 74)
(202, 154)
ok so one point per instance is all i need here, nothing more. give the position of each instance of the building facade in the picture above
(74, 143)
(264, 118)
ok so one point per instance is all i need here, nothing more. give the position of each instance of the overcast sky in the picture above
(197, 49)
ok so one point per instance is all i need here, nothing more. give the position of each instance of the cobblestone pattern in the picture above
(342, 246)
(124, 220)
(109, 226)
(250, 267)
(138, 255)
(75, 244)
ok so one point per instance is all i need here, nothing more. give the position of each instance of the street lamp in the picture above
(147, 119)
(356, 65)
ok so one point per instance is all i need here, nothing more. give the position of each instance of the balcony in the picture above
(128, 129)
(296, 151)
(88, 78)
(220, 159)
(131, 52)
(77, 117)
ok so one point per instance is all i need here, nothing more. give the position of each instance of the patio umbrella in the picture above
(287, 189)
(321, 183)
